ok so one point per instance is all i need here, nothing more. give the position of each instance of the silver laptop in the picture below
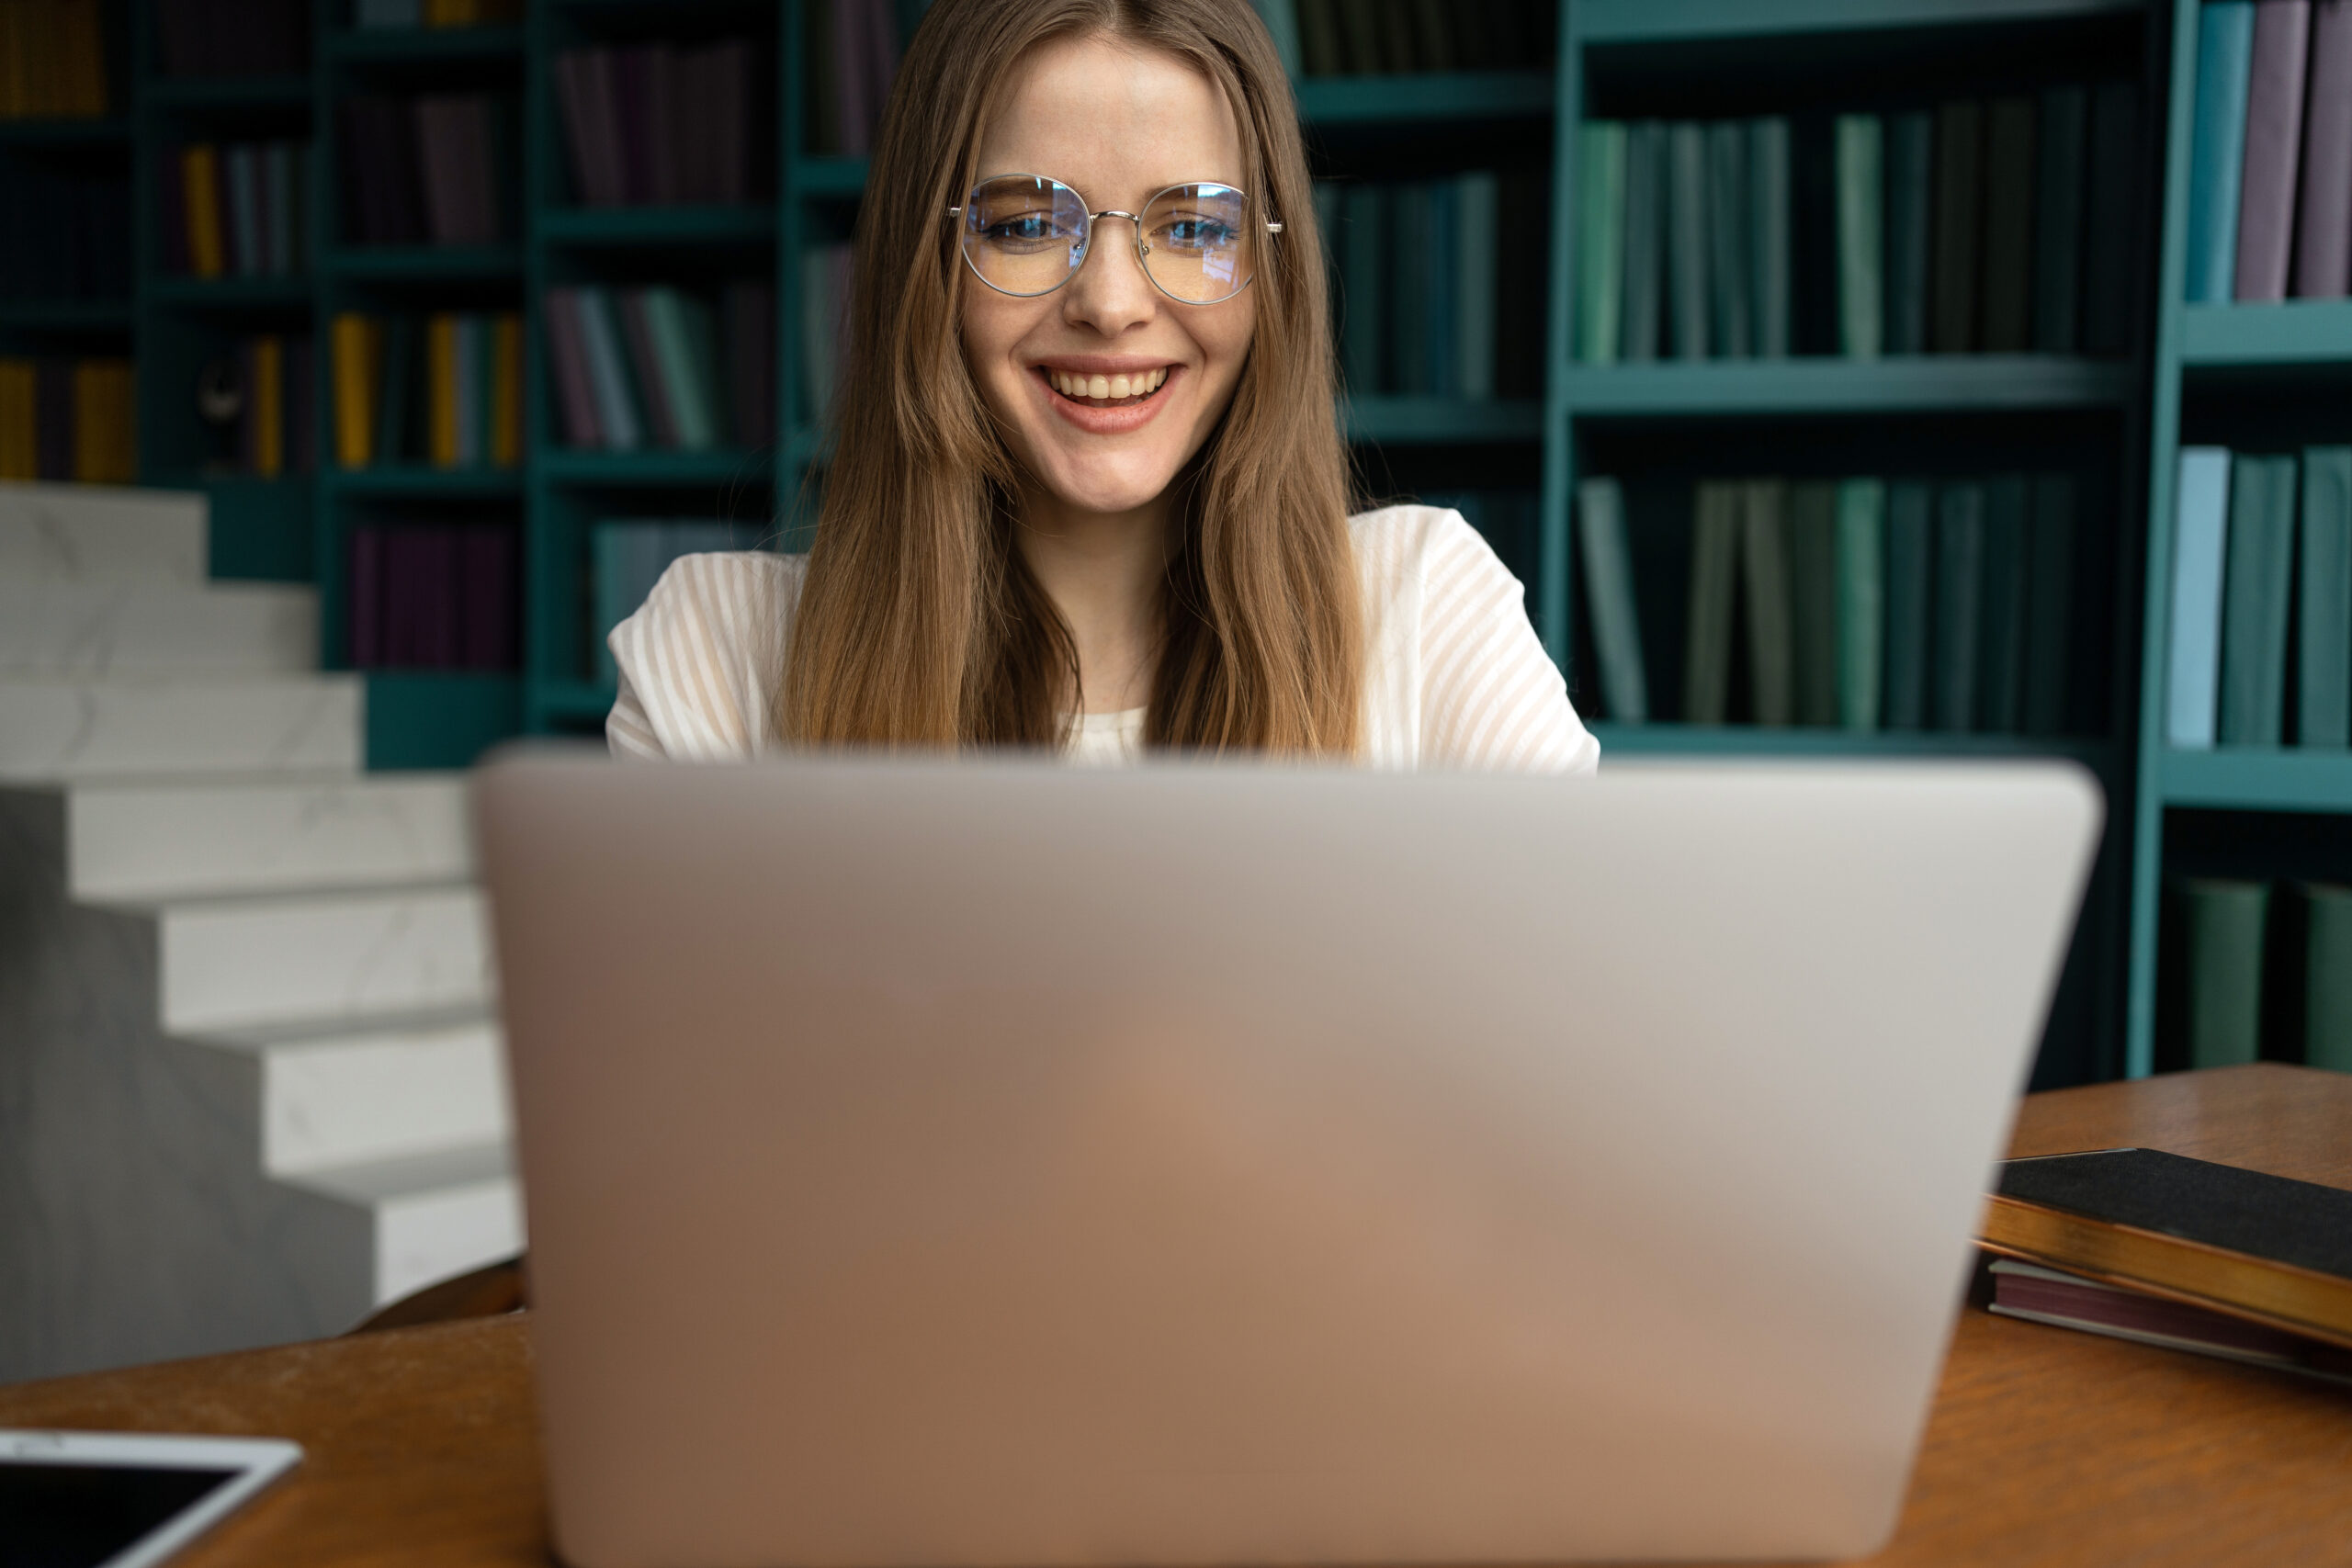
(992, 1164)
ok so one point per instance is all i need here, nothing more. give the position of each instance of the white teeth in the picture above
(1099, 386)
(1118, 386)
(1141, 384)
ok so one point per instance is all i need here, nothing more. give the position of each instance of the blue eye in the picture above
(1199, 233)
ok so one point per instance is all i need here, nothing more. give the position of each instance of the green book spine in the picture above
(1910, 556)
(2001, 685)
(1813, 599)
(1727, 274)
(468, 335)
(1714, 575)
(2226, 930)
(1771, 302)
(1478, 203)
(1366, 254)
(1609, 589)
(1910, 162)
(666, 319)
(1642, 314)
(1861, 601)
(2327, 978)
(1771, 641)
(1409, 370)
(2050, 606)
(1600, 238)
(1960, 217)
(2058, 202)
(2003, 326)
(1862, 175)
(2323, 705)
(1687, 242)
(2254, 600)
(1441, 251)
(1959, 598)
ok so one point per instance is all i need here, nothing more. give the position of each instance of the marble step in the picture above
(55, 729)
(102, 628)
(435, 1215)
(321, 957)
(52, 533)
(385, 1089)
(142, 841)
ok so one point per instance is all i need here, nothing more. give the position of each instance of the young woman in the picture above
(1088, 491)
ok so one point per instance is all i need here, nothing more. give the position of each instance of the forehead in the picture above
(1115, 120)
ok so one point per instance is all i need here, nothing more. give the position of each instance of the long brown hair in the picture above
(918, 624)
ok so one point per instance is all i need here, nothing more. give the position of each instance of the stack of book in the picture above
(233, 38)
(1439, 285)
(2000, 227)
(67, 419)
(69, 232)
(2270, 152)
(2262, 544)
(444, 389)
(627, 557)
(53, 60)
(2150, 1247)
(434, 596)
(660, 368)
(1863, 603)
(434, 13)
(275, 430)
(432, 169)
(1383, 38)
(2253, 970)
(852, 50)
(241, 210)
(652, 124)
(824, 322)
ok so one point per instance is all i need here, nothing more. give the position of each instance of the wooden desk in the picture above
(2046, 1446)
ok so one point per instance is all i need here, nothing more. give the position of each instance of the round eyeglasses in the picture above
(1026, 235)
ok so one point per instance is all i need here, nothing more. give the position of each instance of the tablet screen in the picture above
(77, 1515)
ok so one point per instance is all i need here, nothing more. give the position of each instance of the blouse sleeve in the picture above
(697, 662)
(1491, 697)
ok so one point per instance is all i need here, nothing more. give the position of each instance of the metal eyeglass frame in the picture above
(1086, 240)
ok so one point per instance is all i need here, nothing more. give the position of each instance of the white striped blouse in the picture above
(1454, 676)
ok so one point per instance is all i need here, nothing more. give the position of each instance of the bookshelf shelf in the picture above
(2263, 779)
(1750, 740)
(108, 133)
(1462, 96)
(829, 176)
(575, 702)
(655, 469)
(238, 294)
(1429, 421)
(1628, 21)
(439, 263)
(400, 44)
(2299, 332)
(234, 95)
(66, 315)
(1948, 383)
(421, 480)
(651, 227)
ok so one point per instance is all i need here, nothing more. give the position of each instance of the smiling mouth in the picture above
(1105, 392)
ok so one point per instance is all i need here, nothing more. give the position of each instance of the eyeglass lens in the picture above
(1024, 234)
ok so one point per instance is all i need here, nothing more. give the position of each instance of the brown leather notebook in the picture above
(2263, 1248)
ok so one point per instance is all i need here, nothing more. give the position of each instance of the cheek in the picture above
(993, 325)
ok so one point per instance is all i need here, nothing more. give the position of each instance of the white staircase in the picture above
(250, 1076)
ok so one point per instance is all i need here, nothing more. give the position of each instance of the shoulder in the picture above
(698, 661)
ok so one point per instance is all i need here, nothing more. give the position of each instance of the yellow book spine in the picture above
(19, 447)
(351, 344)
(450, 14)
(44, 84)
(441, 388)
(118, 456)
(506, 390)
(88, 54)
(13, 71)
(200, 181)
(268, 395)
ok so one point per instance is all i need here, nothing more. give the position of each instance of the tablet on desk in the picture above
(123, 1499)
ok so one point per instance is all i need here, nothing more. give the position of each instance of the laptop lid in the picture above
(936, 1163)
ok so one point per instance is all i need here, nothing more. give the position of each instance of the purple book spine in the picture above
(435, 147)
(855, 133)
(654, 397)
(438, 598)
(731, 136)
(402, 616)
(633, 95)
(479, 210)
(881, 55)
(692, 87)
(601, 93)
(659, 127)
(487, 633)
(2324, 231)
(571, 98)
(364, 615)
(2274, 128)
(568, 357)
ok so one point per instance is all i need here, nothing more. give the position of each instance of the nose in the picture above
(1110, 293)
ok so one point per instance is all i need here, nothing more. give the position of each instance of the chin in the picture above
(1108, 487)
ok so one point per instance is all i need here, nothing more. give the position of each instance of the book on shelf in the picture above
(435, 168)
(1387, 38)
(648, 367)
(69, 233)
(2324, 601)
(1431, 304)
(426, 595)
(233, 38)
(660, 124)
(54, 60)
(627, 557)
(444, 388)
(67, 420)
(2258, 568)
(1609, 591)
(2254, 970)
(824, 302)
(370, 15)
(850, 54)
(2270, 153)
(1973, 228)
(239, 209)
(260, 406)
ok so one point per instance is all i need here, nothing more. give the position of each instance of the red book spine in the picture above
(568, 356)
(2323, 226)
(2274, 134)
(486, 635)
(853, 93)
(437, 636)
